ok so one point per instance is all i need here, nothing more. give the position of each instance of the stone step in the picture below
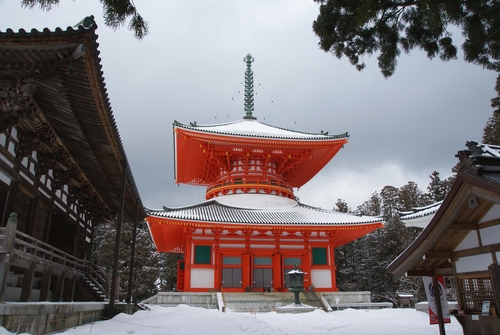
(265, 302)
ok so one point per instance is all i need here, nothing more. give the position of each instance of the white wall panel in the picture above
(470, 241)
(321, 278)
(474, 263)
(202, 278)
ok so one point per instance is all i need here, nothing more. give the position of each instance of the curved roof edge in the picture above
(215, 212)
(254, 128)
(85, 26)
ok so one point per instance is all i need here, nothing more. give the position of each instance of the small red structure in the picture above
(251, 230)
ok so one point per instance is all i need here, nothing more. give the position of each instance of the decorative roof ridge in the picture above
(479, 159)
(483, 149)
(204, 128)
(87, 24)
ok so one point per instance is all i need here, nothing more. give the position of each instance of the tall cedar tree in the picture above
(492, 129)
(354, 28)
(361, 264)
(153, 271)
(115, 12)
(439, 188)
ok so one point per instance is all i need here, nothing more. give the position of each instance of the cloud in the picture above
(191, 66)
(355, 185)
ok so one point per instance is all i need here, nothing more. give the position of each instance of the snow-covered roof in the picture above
(404, 294)
(254, 128)
(420, 216)
(484, 149)
(260, 209)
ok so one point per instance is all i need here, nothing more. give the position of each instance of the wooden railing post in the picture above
(5, 250)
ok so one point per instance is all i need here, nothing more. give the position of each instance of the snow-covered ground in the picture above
(185, 320)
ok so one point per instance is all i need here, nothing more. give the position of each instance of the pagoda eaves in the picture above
(263, 214)
(281, 158)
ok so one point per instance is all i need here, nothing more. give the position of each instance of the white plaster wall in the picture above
(321, 278)
(490, 235)
(474, 263)
(493, 213)
(470, 241)
(202, 278)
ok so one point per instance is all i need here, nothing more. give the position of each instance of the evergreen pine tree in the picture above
(390, 203)
(410, 196)
(152, 271)
(491, 133)
(361, 263)
(115, 12)
(438, 189)
(342, 206)
(371, 207)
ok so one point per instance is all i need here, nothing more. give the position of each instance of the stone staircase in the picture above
(96, 291)
(264, 302)
(358, 300)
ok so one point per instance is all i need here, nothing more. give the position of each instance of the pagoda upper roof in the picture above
(201, 151)
(254, 128)
(260, 209)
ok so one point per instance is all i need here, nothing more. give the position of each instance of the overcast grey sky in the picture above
(191, 66)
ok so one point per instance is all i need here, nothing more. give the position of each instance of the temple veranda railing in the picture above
(24, 247)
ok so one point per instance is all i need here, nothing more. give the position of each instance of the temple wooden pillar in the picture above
(58, 295)
(114, 278)
(45, 288)
(7, 246)
(132, 256)
(27, 288)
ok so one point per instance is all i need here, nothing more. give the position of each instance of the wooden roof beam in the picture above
(464, 226)
(477, 251)
(447, 271)
(439, 255)
(455, 255)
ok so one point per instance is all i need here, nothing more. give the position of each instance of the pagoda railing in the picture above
(249, 184)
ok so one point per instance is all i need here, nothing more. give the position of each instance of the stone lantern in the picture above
(296, 282)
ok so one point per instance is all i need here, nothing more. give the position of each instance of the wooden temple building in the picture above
(462, 241)
(251, 229)
(63, 168)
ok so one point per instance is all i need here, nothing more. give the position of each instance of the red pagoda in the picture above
(251, 229)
